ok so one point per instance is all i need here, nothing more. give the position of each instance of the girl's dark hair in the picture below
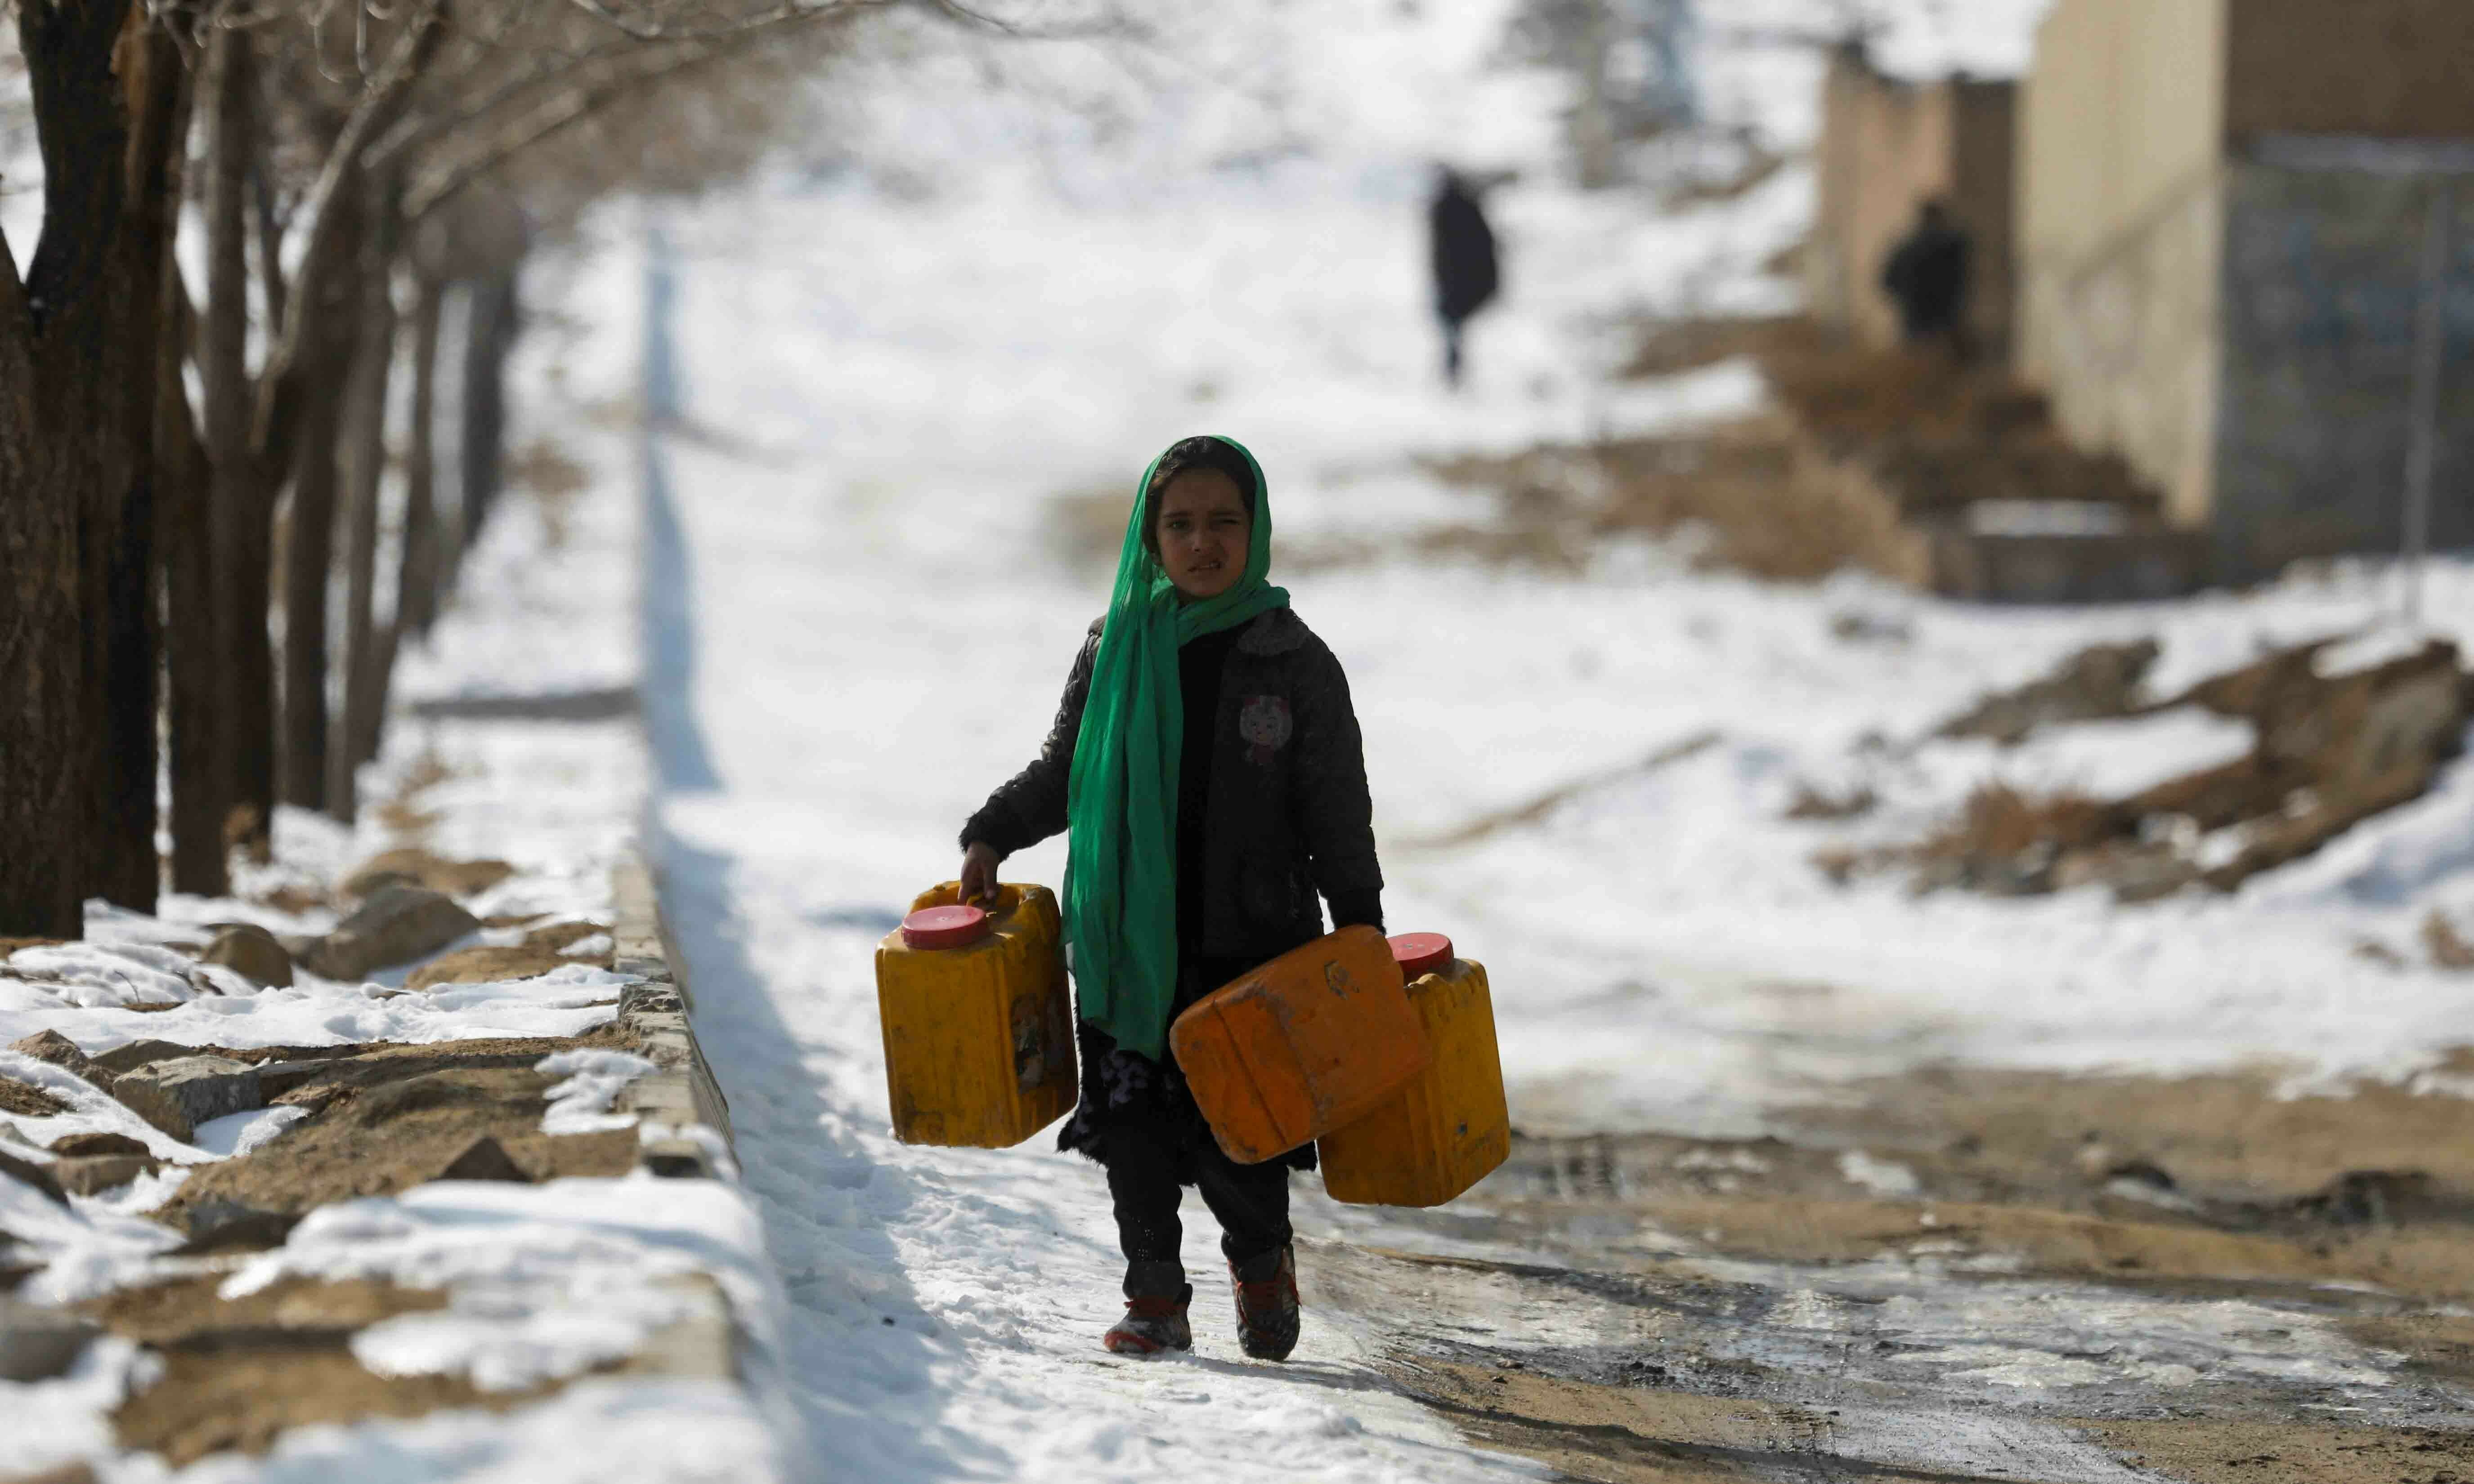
(1186, 455)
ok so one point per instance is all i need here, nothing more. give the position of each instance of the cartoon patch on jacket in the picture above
(1266, 727)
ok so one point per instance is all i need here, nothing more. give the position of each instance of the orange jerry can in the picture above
(1447, 1128)
(979, 1026)
(1307, 1042)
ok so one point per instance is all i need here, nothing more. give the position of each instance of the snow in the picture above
(580, 1104)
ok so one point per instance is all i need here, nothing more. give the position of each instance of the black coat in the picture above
(1467, 273)
(1926, 275)
(1288, 813)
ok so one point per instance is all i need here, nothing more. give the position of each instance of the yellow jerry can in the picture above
(1447, 1127)
(1300, 1046)
(978, 1025)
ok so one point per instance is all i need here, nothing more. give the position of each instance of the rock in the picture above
(178, 1095)
(95, 1173)
(29, 1173)
(485, 965)
(276, 1078)
(54, 1049)
(65, 1473)
(37, 1344)
(485, 1159)
(79, 1146)
(135, 1054)
(249, 951)
(220, 1226)
(26, 1100)
(397, 925)
(411, 865)
(369, 883)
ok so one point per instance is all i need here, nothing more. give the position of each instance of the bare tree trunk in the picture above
(192, 659)
(364, 461)
(310, 555)
(58, 424)
(123, 626)
(238, 515)
(417, 573)
(489, 327)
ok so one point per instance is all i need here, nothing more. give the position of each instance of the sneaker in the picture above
(1153, 1323)
(1267, 1303)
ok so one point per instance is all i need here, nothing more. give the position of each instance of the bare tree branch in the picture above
(278, 387)
(580, 102)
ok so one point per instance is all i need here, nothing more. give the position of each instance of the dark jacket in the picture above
(1467, 273)
(1926, 276)
(1289, 813)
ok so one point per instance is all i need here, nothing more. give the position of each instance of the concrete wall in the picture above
(2120, 224)
(1886, 146)
(2322, 289)
(2388, 68)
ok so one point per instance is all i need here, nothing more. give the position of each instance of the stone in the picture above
(79, 1146)
(178, 1095)
(95, 1173)
(220, 1226)
(397, 925)
(37, 1344)
(27, 1172)
(55, 1049)
(411, 865)
(249, 951)
(276, 1078)
(133, 1055)
(485, 1159)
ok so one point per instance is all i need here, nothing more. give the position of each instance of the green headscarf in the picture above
(1121, 801)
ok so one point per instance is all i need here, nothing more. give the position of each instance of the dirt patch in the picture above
(417, 866)
(2231, 1134)
(222, 1393)
(28, 1102)
(1755, 496)
(2327, 752)
(1615, 1434)
(485, 965)
(398, 1118)
(238, 1371)
(543, 950)
(2256, 1452)
(167, 1313)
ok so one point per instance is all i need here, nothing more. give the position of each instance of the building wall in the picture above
(2388, 68)
(2322, 273)
(1887, 146)
(2120, 232)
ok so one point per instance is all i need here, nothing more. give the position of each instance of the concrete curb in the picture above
(684, 1121)
(680, 1099)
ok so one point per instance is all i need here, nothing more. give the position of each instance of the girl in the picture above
(1206, 766)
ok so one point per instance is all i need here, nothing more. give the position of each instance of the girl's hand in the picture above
(979, 872)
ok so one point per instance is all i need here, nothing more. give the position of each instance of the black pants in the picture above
(1251, 1202)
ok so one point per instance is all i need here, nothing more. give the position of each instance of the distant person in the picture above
(1926, 277)
(1206, 770)
(1466, 276)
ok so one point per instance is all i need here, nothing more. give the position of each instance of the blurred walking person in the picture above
(1466, 271)
(1926, 276)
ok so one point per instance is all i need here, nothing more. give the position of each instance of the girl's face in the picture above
(1203, 533)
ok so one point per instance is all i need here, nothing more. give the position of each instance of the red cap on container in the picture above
(1421, 953)
(944, 928)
